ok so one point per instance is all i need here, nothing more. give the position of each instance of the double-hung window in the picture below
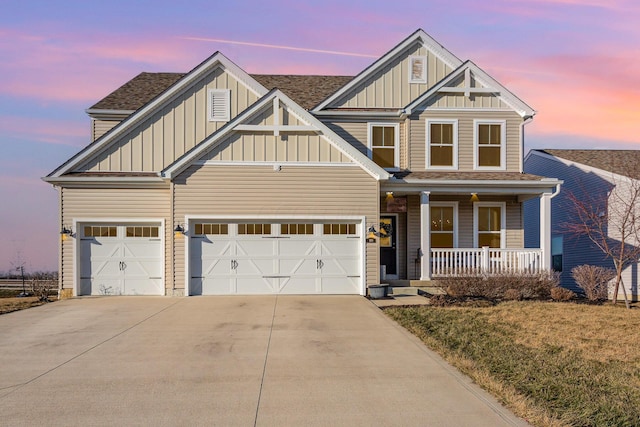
(489, 224)
(490, 144)
(384, 139)
(443, 225)
(442, 144)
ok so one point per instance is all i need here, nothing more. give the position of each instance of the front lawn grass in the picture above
(554, 364)
(9, 301)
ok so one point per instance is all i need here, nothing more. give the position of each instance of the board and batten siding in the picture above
(418, 141)
(113, 203)
(356, 133)
(173, 130)
(325, 191)
(390, 87)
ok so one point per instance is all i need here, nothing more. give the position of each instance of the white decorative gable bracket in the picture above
(467, 89)
(276, 127)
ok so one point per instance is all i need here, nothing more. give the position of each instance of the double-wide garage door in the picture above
(274, 258)
(120, 259)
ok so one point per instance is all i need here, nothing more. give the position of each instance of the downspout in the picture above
(526, 120)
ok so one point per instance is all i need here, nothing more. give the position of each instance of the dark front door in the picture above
(388, 254)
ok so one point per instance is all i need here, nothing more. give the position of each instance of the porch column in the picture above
(545, 230)
(425, 236)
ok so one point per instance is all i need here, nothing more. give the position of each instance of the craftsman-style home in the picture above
(222, 182)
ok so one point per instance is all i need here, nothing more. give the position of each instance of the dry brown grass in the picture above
(554, 364)
(601, 332)
(7, 305)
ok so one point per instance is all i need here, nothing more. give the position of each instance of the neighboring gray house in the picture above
(222, 182)
(603, 175)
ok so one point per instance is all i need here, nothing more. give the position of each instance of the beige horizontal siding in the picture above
(258, 190)
(172, 130)
(390, 87)
(417, 150)
(113, 203)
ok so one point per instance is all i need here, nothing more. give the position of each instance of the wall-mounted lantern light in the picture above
(65, 233)
(178, 231)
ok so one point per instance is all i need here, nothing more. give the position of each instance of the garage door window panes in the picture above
(296, 229)
(254, 228)
(208, 228)
(100, 231)
(348, 229)
(142, 231)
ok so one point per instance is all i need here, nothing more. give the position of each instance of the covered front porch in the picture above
(433, 226)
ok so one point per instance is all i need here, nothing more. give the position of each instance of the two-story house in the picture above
(221, 182)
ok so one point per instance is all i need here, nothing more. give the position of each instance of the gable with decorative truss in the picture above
(275, 130)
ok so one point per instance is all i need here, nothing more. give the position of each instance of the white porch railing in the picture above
(452, 262)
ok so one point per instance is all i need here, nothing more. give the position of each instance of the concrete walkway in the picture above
(229, 361)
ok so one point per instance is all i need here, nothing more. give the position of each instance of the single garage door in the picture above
(120, 259)
(275, 258)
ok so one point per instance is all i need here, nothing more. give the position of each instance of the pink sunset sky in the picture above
(577, 62)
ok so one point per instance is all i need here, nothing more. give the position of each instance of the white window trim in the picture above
(503, 221)
(454, 122)
(396, 154)
(423, 78)
(503, 144)
(227, 94)
(454, 205)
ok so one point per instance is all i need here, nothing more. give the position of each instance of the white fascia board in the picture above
(215, 60)
(104, 179)
(360, 114)
(436, 48)
(482, 77)
(96, 113)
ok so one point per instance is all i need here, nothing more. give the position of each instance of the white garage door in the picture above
(118, 259)
(275, 258)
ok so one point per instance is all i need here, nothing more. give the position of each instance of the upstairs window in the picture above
(490, 144)
(219, 108)
(442, 144)
(418, 69)
(383, 142)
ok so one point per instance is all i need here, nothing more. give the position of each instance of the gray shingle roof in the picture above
(472, 176)
(137, 92)
(307, 91)
(623, 162)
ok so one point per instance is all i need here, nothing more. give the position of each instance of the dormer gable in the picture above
(469, 87)
(396, 79)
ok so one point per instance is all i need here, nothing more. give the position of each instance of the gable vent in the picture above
(219, 105)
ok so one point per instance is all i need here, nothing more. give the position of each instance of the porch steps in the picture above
(413, 287)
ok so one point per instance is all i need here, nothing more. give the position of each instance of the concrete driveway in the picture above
(264, 360)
